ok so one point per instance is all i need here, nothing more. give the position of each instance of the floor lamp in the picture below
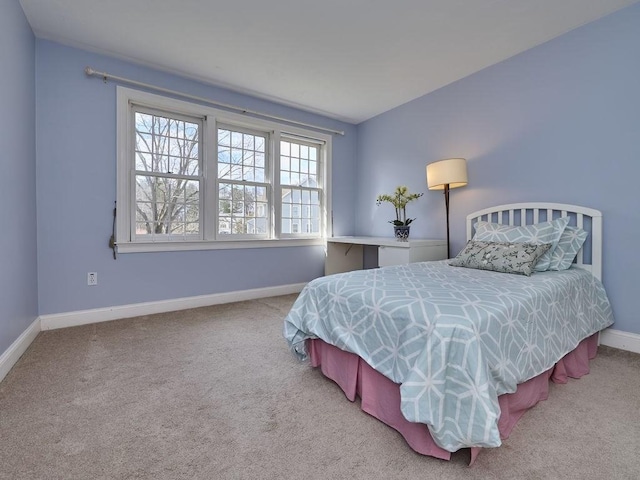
(445, 175)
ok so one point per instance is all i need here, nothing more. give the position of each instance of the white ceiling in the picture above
(349, 59)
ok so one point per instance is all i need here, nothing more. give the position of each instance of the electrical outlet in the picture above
(92, 278)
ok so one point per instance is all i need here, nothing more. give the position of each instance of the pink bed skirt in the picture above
(380, 396)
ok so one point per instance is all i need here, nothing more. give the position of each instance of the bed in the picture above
(451, 357)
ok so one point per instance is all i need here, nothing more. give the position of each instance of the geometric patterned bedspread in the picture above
(453, 338)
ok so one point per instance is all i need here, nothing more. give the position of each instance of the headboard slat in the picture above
(594, 227)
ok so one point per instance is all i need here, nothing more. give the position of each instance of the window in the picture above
(301, 194)
(193, 177)
(166, 175)
(243, 186)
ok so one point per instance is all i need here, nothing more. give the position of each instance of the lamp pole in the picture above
(446, 205)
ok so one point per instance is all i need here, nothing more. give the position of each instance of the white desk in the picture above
(345, 254)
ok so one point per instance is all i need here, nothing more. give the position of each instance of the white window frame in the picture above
(126, 240)
(320, 187)
(199, 178)
(268, 183)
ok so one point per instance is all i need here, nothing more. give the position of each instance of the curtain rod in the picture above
(106, 76)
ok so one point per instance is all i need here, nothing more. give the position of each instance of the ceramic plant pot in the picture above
(401, 233)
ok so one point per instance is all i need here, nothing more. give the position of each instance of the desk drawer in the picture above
(393, 256)
(388, 256)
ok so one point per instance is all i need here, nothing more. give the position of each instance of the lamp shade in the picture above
(452, 172)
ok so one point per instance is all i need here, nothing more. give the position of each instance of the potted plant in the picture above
(399, 200)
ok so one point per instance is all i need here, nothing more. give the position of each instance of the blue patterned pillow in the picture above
(544, 232)
(570, 243)
(501, 256)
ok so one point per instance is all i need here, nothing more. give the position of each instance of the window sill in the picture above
(147, 247)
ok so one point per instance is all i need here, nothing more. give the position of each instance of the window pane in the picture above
(143, 122)
(175, 165)
(237, 226)
(236, 139)
(190, 130)
(248, 174)
(144, 142)
(224, 225)
(244, 210)
(300, 206)
(298, 165)
(176, 147)
(143, 161)
(165, 145)
(224, 191)
(261, 226)
(224, 137)
(164, 205)
(224, 156)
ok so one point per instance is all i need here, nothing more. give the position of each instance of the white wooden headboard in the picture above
(527, 213)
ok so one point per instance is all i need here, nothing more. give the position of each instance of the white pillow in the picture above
(569, 244)
(544, 232)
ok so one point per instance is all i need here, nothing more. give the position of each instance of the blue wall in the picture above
(18, 271)
(76, 183)
(559, 123)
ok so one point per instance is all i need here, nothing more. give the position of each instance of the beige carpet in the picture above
(213, 393)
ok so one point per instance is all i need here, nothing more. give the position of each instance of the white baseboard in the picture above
(84, 317)
(619, 339)
(609, 337)
(12, 354)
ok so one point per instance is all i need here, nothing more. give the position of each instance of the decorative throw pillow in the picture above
(570, 243)
(544, 232)
(501, 257)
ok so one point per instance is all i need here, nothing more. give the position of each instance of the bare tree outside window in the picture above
(167, 164)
